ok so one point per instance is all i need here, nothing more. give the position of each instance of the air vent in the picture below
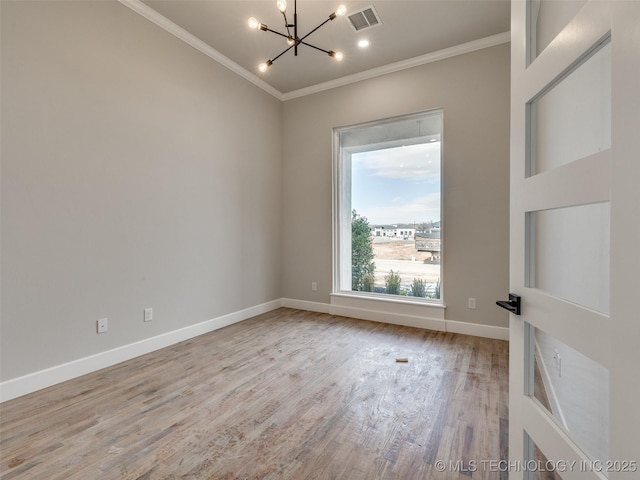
(365, 18)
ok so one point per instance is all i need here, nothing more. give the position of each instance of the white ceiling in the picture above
(409, 29)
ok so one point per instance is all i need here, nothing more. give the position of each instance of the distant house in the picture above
(394, 231)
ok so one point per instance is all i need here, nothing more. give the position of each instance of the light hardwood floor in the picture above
(285, 395)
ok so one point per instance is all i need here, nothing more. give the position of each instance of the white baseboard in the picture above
(17, 387)
(465, 328)
(305, 305)
(431, 317)
(478, 330)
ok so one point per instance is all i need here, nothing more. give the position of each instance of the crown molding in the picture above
(190, 39)
(153, 16)
(461, 49)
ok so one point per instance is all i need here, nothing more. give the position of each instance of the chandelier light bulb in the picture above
(253, 23)
(263, 66)
(293, 40)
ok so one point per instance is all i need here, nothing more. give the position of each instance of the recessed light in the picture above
(363, 43)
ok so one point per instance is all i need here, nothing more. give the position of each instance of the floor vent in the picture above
(365, 18)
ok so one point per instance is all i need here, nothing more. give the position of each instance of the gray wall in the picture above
(473, 90)
(136, 172)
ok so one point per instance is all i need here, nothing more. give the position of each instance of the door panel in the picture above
(574, 390)
(572, 120)
(569, 254)
(545, 469)
(625, 238)
(561, 154)
(559, 318)
(547, 18)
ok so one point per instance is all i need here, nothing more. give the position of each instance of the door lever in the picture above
(513, 304)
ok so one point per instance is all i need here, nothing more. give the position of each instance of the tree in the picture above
(361, 251)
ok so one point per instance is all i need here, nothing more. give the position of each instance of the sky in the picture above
(397, 185)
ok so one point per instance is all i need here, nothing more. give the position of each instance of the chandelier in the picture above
(292, 38)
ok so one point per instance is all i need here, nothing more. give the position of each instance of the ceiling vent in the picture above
(365, 18)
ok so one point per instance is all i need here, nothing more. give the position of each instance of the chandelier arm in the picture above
(281, 53)
(286, 23)
(295, 27)
(313, 46)
(296, 40)
(327, 20)
(277, 33)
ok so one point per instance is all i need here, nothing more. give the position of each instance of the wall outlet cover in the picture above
(102, 325)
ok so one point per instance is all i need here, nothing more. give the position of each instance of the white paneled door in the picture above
(575, 240)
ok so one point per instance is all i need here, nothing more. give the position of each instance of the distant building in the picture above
(393, 231)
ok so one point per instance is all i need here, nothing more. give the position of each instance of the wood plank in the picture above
(285, 395)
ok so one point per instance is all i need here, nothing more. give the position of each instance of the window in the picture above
(387, 200)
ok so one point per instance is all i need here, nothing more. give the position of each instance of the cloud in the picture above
(398, 185)
(417, 163)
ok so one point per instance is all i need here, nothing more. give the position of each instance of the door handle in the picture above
(513, 304)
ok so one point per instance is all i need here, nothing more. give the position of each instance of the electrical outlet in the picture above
(148, 314)
(471, 303)
(102, 325)
(314, 286)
